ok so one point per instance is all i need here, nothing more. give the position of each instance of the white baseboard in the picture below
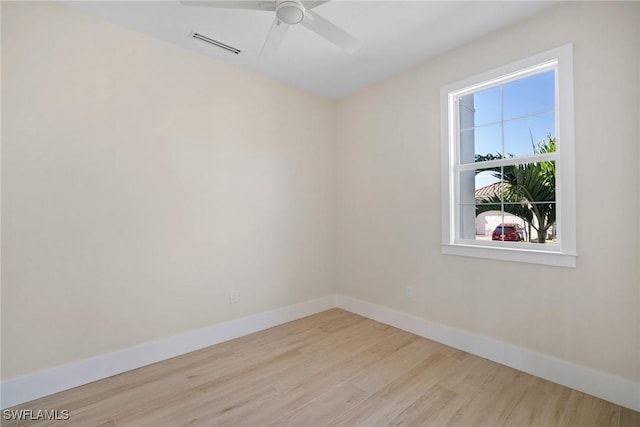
(596, 383)
(40, 384)
(600, 384)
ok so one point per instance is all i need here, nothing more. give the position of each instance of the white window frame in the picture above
(562, 254)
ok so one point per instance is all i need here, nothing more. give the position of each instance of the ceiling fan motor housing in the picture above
(290, 11)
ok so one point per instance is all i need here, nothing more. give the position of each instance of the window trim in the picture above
(564, 254)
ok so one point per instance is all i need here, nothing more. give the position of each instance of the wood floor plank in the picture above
(369, 412)
(276, 340)
(346, 340)
(393, 343)
(309, 388)
(409, 386)
(182, 410)
(318, 369)
(492, 402)
(585, 411)
(389, 401)
(543, 404)
(227, 407)
(131, 400)
(469, 375)
(629, 418)
(426, 408)
(326, 407)
(395, 365)
(242, 369)
(333, 368)
(71, 400)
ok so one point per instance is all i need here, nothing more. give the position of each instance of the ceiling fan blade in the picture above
(331, 32)
(274, 38)
(310, 4)
(238, 4)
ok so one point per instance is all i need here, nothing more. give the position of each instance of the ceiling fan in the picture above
(289, 12)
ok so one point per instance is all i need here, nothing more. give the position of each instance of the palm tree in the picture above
(529, 191)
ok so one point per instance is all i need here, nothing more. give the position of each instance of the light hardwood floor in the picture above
(331, 369)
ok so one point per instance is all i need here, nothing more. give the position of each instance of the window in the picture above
(508, 168)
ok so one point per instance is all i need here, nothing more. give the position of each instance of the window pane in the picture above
(523, 137)
(481, 108)
(530, 95)
(489, 196)
(541, 235)
(485, 181)
(476, 185)
(481, 141)
(493, 220)
(499, 225)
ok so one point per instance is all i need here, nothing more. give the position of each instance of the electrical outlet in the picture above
(408, 291)
(233, 297)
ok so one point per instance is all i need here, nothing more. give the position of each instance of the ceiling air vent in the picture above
(215, 43)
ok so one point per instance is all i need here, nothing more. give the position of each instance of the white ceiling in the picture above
(396, 34)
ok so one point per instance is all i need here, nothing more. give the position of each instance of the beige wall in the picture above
(388, 198)
(141, 183)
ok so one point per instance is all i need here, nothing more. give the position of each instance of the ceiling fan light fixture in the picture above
(290, 12)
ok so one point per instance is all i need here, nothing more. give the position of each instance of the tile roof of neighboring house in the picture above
(490, 190)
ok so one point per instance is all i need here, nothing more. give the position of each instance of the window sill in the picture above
(554, 258)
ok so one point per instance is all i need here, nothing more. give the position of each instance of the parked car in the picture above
(508, 233)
